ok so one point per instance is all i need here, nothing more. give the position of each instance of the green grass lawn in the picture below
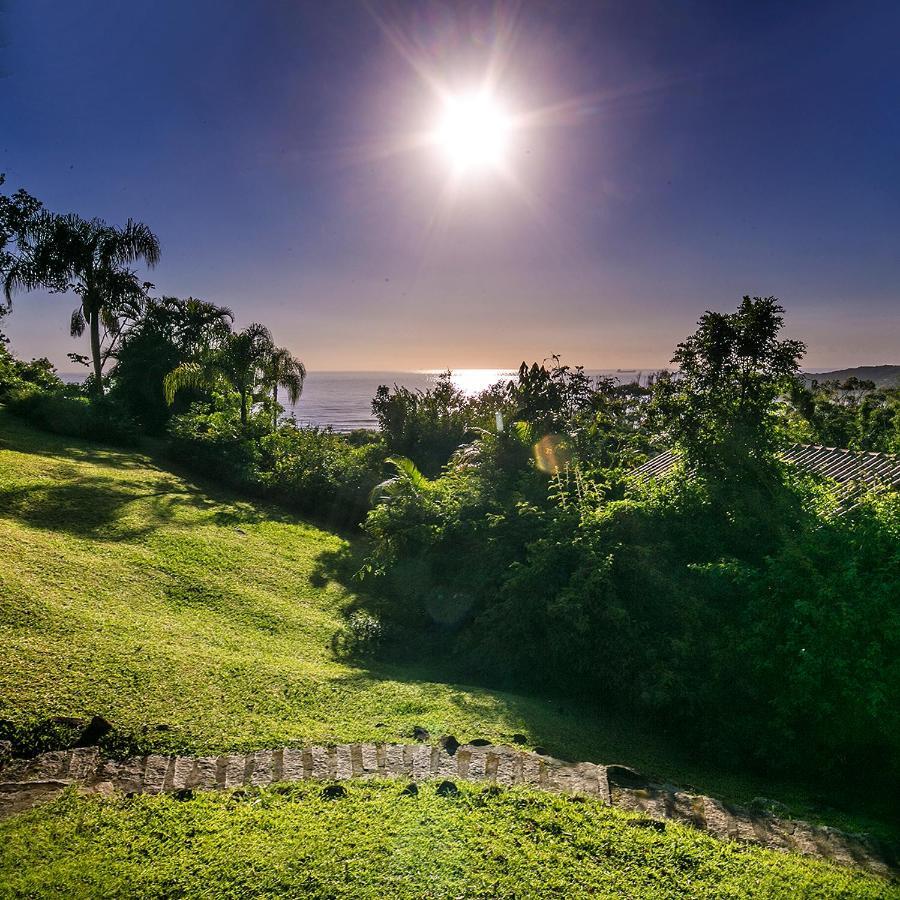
(129, 592)
(376, 842)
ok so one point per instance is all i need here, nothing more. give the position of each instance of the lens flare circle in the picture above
(474, 131)
(552, 454)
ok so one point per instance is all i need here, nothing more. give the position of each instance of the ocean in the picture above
(343, 400)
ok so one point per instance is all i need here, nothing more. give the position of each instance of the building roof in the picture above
(854, 471)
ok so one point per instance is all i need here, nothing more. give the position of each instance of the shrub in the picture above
(212, 442)
(361, 636)
(428, 426)
(320, 472)
(820, 637)
(74, 415)
(311, 469)
(16, 375)
(763, 642)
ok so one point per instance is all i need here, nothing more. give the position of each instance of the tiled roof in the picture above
(853, 470)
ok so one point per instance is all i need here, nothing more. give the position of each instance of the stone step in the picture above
(25, 782)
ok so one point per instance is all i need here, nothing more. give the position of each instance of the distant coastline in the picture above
(343, 400)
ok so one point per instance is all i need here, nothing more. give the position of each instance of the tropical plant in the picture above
(720, 406)
(407, 480)
(281, 369)
(171, 332)
(239, 362)
(19, 214)
(92, 259)
(428, 426)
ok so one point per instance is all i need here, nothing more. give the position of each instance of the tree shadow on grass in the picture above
(237, 609)
(20, 437)
(94, 507)
(340, 565)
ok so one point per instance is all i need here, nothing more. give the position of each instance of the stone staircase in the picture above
(25, 782)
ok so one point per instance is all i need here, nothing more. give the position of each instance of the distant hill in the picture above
(883, 376)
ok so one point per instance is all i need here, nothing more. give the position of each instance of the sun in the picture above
(473, 132)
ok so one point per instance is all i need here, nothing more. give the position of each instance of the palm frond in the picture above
(77, 323)
(189, 375)
(408, 480)
(281, 369)
(136, 241)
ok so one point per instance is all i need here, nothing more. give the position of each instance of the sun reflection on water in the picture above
(474, 381)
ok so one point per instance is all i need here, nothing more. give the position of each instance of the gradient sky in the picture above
(692, 152)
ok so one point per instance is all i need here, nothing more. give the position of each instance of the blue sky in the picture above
(696, 151)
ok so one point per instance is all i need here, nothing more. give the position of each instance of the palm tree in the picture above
(197, 325)
(239, 362)
(281, 369)
(92, 259)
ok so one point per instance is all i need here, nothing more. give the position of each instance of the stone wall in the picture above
(24, 782)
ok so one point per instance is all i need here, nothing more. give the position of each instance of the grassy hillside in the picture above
(129, 592)
(376, 842)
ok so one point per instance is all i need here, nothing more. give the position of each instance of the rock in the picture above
(333, 792)
(447, 789)
(480, 742)
(652, 824)
(97, 728)
(411, 790)
(449, 743)
(769, 807)
(623, 776)
(420, 734)
(519, 739)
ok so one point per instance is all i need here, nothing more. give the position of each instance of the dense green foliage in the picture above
(850, 413)
(327, 475)
(164, 604)
(599, 417)
(67, 411)
(171, 332)
(17, 376)
(728, 604)
(430, 425)
(376, 842)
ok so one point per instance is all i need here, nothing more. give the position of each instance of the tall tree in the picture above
(91, 259)
(239, 362)
(19, 215)
(171, 332)
(281, 369)
(719, 407)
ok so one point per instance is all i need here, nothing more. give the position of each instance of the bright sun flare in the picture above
(474, 132)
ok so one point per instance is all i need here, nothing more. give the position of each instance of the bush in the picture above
(320, 472)
(777, 644)
(429, 426)
(361, 636)
(212, 442)
(820, 637)
(74, 415)
(310, 469)
(15, 375)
